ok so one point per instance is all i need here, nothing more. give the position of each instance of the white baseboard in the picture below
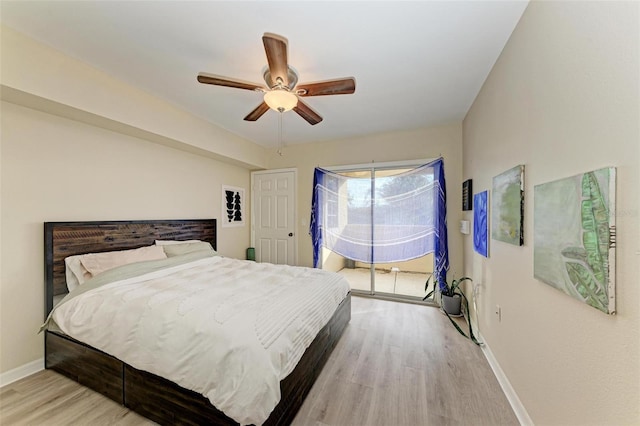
(510, 393)
(21, 372)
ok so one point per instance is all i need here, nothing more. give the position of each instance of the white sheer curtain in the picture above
(387, 219)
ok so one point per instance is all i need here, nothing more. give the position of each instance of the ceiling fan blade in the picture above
(343, 86)
(275, 47)
(218, 80)
(305, 111)
(258, 112)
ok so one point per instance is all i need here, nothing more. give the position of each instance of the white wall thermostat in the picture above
(464, 226)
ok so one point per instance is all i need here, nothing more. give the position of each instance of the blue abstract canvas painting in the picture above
(481, 223)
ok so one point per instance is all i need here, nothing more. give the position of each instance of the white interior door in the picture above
(273, 216)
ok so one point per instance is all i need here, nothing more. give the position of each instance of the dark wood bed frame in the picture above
(152, 396)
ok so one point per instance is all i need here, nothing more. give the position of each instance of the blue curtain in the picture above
(441, 240)
(315, 224)
(401, 217)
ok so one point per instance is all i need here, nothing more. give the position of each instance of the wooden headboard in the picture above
(62, 239)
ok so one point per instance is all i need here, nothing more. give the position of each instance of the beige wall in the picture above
(55, 169)
(445, 141)
(61, 164)
(562, 99)
(39, 76)
(332, 261)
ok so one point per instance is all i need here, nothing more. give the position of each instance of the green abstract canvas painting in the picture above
(507, 206)
(574, 237)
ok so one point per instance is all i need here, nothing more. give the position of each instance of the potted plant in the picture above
(454, 303)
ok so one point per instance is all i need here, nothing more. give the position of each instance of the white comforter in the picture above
(229, 329)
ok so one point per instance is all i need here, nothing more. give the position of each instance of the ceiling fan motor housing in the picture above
(291, 74)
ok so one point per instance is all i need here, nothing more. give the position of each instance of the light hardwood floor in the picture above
(396, 364)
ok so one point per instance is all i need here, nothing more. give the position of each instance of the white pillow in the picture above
(178, 249)
(75, 273)
(97, 263)
(170, 242)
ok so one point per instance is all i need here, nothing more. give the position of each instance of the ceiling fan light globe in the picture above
(280, 100)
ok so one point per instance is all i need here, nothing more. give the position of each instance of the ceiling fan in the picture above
(282, 92)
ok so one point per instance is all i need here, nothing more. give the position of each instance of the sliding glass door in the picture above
(377, 222)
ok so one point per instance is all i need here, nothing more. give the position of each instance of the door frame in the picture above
(295, 206)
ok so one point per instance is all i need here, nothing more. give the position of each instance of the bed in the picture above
(151, 395)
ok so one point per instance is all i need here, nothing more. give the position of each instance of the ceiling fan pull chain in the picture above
(280, 142)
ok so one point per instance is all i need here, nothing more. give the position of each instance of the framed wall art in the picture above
(507, 206)
(233, 211)
(574, 237)
(481, 223)
(467, 191)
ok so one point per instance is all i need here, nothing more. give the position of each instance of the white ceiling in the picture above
(416, 64)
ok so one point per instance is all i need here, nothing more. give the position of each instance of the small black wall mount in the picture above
(467, 199)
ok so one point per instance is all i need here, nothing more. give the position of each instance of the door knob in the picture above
(291, 234)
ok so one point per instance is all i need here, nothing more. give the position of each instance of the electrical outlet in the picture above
(499, 313)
